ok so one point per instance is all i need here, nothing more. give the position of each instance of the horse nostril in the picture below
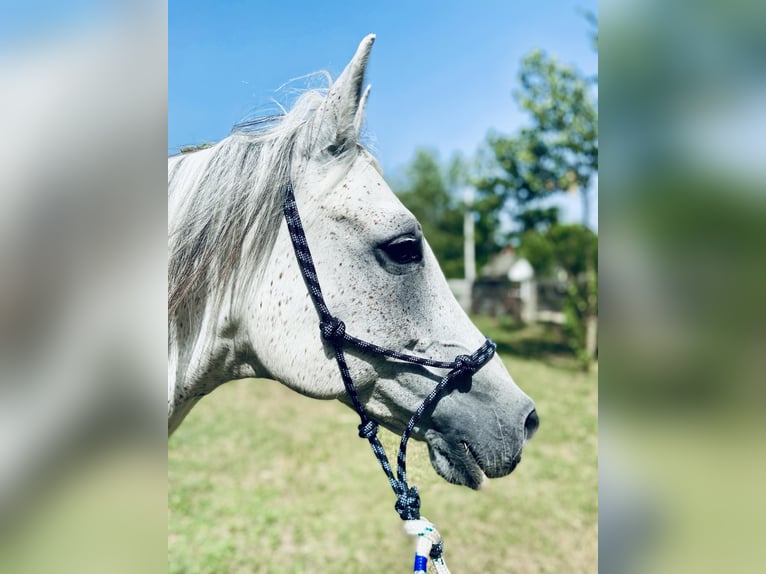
(531, 424)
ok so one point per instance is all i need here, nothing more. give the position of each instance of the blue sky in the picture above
(442, 72)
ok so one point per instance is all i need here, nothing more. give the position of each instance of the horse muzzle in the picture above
(467, 449)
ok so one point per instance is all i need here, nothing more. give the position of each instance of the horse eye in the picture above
(404, 250)
(336, 149)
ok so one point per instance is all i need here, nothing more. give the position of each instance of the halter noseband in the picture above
(334, 333)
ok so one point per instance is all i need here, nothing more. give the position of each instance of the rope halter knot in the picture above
(466, 365)
(408, 503)
(368, 429)
(333, 330)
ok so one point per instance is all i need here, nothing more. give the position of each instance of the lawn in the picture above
(261, 479)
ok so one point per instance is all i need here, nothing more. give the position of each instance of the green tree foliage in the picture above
(556, 153)
(573, 251)
(559, 150)
(563, 248)
(537, 248)
(576, 252)
(575, 248)
(539, 219)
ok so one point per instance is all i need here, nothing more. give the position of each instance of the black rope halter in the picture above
(334, 333)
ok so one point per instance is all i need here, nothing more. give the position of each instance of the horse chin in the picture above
(454, 461)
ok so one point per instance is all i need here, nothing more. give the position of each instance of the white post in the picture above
(528, 293)
(469, 248)
(523, 272)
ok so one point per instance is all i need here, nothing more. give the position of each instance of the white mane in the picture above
(218, 195)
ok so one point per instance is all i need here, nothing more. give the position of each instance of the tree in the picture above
(556, 153)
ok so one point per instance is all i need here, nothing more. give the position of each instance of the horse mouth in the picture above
(459, 462)
(456, 462)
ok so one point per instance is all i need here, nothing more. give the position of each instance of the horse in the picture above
(239, 307)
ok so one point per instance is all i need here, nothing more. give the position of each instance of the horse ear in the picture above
(343, 109)
(359, 117)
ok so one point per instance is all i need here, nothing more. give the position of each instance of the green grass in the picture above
(264, 480)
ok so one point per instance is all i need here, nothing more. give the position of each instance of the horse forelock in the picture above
(225, 201)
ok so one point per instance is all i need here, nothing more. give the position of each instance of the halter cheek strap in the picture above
(334, 333)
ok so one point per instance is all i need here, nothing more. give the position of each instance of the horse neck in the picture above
(206, 344)
(206, 348)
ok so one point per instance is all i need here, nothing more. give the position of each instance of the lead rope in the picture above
(429, 541)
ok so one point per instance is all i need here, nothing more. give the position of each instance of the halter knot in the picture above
(408, 504)
(333, 330)
(368, 429)
(466, 364)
